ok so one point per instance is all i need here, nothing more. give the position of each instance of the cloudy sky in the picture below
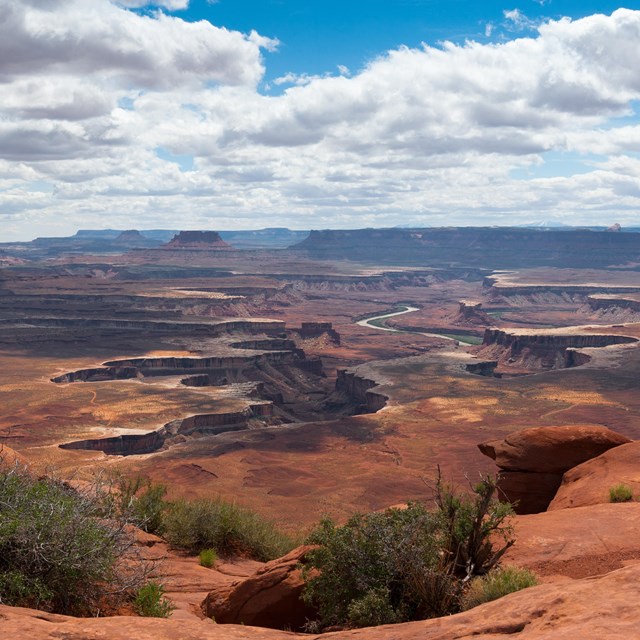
(241, 114)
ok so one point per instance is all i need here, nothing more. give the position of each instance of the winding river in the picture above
(367, 322)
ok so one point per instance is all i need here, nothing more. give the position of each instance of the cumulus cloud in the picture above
(76, 37)
(438, 135)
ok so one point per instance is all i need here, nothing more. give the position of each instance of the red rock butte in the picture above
(197, 240)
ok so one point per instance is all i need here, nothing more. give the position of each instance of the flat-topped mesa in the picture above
(545, 348)
(133, 239)
(496, 248)
(309, 330)
(218, 366)
(612, 301)
(533, 461)
(505, 285)
(197, 240)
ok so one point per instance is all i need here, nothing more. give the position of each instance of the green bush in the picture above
(372, 609)
(497, 583)
(151, 602)
(225, 527)
(61, 550)
(208, 558)
(404, 564)
(620, 493)
(142, 502)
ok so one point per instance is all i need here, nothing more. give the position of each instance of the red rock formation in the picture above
(589, 482)
(533, 461)
(270, 598)
(317, 329)
(471, 314)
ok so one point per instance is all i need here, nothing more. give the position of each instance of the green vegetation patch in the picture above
(208, 558)
(224, 527)
(620, 493)
(495, 584)
(405, 564)
(62, 550)
(151, 602)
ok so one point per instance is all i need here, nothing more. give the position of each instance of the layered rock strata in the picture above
(545, 349)
(360, 388)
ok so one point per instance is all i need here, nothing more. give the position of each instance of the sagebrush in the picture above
(63, 550)
(225, 527)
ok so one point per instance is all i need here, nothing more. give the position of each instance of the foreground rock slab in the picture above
(602, 608)
(592, 608)
(577, 543)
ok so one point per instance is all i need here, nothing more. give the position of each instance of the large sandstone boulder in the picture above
(533, 461)
(269, 598)
(589, 482)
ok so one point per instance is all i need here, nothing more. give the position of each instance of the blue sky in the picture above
(367, 113)
(318, 35)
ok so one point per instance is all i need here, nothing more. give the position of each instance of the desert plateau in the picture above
(303, 387)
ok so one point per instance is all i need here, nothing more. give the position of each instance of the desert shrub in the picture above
(142, 502)
(404, 564)
(620, 493)
(372, 609)
(495, 584)
(151, 602)
(208, 558)
(225, 527)
(61, 550)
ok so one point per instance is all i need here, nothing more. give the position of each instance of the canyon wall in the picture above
(359, 388)
(545, 350)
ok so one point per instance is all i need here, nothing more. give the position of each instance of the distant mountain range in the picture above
(554, 240)
(115, 241)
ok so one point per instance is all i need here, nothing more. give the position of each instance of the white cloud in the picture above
(432, 134)
(80, 37)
